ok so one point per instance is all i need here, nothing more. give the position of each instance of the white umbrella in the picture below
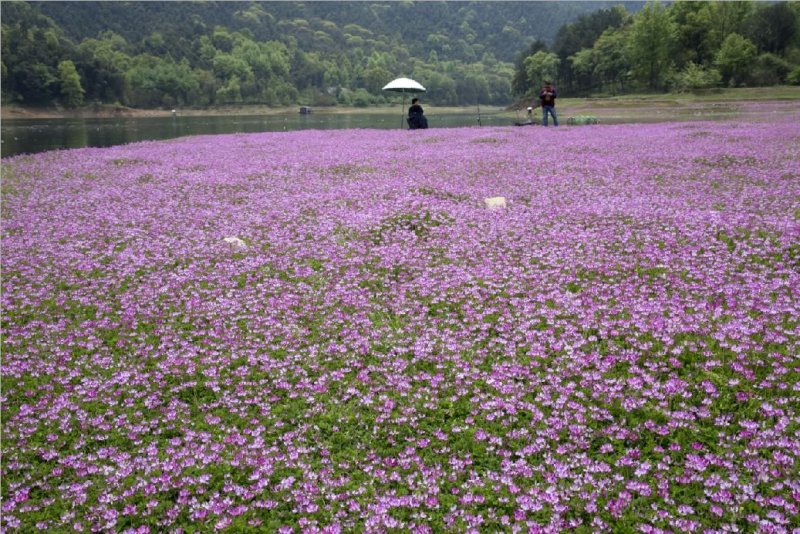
(404, 85)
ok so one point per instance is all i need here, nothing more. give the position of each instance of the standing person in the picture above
(416, 119)
(547, 99)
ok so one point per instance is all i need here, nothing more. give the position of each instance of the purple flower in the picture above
(387, 353)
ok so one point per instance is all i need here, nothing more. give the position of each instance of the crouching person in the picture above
(416, 118)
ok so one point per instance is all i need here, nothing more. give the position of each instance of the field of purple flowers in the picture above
(615, 350)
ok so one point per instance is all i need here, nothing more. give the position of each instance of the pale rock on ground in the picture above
(495, 202)
(236, 242)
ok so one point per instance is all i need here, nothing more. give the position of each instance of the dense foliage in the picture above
(682, 46)
(373, 350)
(204, 53)
(151, 54)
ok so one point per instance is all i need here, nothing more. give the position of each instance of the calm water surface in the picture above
(27, 136)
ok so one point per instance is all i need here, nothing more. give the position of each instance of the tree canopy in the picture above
(166, 54)
(274, 53)
(677, 46)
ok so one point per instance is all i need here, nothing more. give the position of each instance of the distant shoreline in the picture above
(109, 111)
(632, 103)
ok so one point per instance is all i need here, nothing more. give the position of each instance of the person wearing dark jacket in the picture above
(547, 99)
(416, 118)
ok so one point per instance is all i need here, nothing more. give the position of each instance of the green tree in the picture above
(204, 52)
(257, 19)
(206, 87)
(35, 82)
(227, 66)
(374, 78)
(651, 45)
(582, 34)
(230, 93)
(360, 98)
(542, 66)
(772, 27)
(727, 18)
(155, 81)
(222, 39)
(472, 86)
(605, 65)
(32, 47)
(583, 64)
(769, 69)
(337, 72)
(734, 59)
(155, 44)
(693, 20)
(258, 65)
(793, 78)
(498, 76)
(281, 92)
(612, 64)
(103, 63)
(70, 81)
(520, 83)
(695, 77)
(441, 87)
(277, 58)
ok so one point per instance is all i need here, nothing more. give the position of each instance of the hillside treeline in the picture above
(682, 46)
(167, 54)
(149, 54)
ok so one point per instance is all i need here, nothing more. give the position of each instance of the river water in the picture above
(28, 136)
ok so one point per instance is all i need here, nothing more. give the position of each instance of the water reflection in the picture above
(38, 135)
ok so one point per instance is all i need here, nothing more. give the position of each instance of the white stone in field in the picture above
(495, 202)
(235, 242)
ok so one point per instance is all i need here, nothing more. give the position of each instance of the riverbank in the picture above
(633, 104)
(31, 131)
(112, 111)
(109, 111)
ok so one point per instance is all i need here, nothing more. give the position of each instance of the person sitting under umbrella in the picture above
(416, 118)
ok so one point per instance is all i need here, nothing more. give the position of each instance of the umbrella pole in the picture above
(402, 110)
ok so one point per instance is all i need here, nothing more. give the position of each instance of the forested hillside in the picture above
(203, 53)
(455, 30)
(680, 46)
(166, 54)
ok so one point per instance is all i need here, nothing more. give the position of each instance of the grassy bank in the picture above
(633, 104)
